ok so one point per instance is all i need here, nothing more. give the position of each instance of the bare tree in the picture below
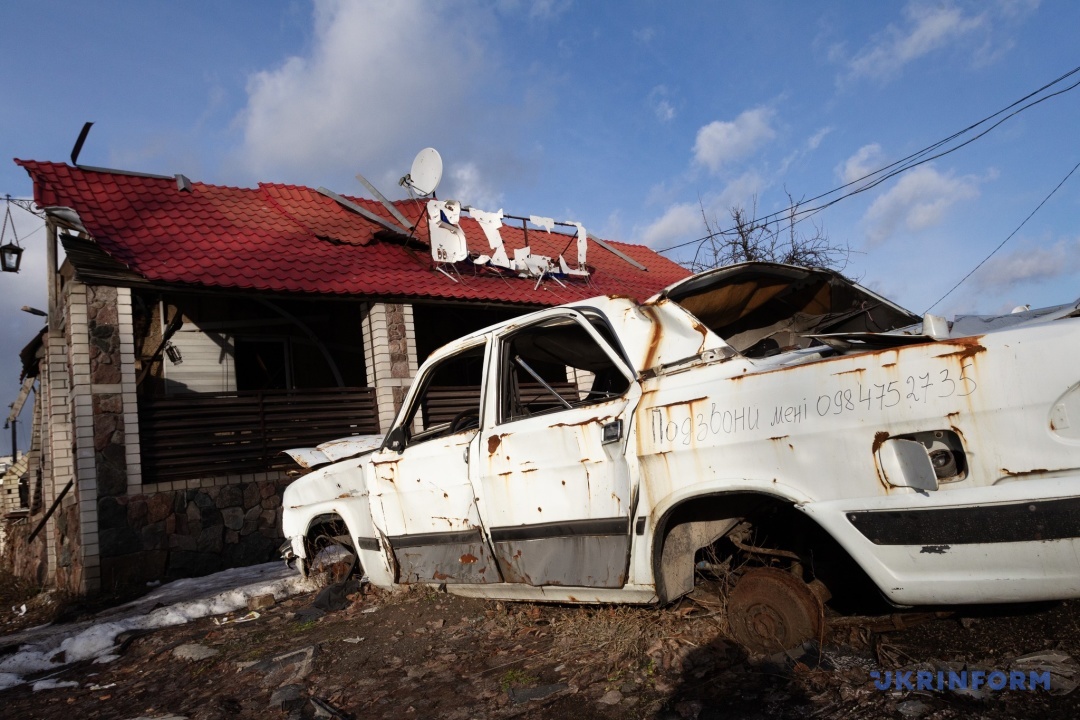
(772, 239)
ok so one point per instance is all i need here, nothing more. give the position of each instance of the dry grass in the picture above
(621, 633)
(615, 638)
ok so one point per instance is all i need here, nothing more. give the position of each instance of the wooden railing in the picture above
(196, 436)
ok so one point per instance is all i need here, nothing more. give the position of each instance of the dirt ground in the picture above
(427, 654)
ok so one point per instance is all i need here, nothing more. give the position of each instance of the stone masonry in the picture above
(187, 533)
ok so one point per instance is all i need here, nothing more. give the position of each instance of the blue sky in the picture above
(628, 117)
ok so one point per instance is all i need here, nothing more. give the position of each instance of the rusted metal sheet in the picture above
(452, 558)
(572, 561)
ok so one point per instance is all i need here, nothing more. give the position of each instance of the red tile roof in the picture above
(287, 238)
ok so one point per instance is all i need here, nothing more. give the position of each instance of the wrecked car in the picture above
(782, 422)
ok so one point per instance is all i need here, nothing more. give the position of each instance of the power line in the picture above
(1002, 243)
(893, 169)
(908, 166)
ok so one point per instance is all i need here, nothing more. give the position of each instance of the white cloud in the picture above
(380, 80)
(613, 227)
(678, 223)
(534, 9)
(741, 191)
(918, 201)
(467, 184)
(815, 140)
(683, 221)
(866, 159)
(1017, 8)
(663, 109)
(812, 143)
(1029, 265)
(927, 28)
(720, 143)
(645, 35)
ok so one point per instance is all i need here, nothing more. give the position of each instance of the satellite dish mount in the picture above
(426, 172)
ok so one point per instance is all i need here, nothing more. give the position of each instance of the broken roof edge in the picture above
(66, 216)
(31, 354)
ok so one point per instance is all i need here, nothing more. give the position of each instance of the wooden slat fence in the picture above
(243, 432)
(445, 402)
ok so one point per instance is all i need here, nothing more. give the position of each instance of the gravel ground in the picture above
(426, 654)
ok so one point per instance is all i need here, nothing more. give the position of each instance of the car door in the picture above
(555, 490)
(421, 481)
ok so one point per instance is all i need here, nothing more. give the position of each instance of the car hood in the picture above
(334, 450)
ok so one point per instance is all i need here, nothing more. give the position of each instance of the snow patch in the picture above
(184, 600)
(53, 684)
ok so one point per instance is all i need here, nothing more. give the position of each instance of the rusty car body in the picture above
(592, 452)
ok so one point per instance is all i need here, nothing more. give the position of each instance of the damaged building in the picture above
(195, 331)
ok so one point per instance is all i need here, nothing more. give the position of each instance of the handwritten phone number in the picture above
(915, 389)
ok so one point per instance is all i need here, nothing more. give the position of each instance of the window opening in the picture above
(449, 400)
(262, 364)
(556, 365)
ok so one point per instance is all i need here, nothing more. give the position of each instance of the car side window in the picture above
(555, 365)
(450, 398)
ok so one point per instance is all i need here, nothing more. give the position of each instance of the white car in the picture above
(786, 417)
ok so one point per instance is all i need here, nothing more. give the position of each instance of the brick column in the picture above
(83, 539)
(390, 355)
(130, 419)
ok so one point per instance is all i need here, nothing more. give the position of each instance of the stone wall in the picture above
(108, 407)
(69, 566)
(398, 350)
(25, 560)
(188, 533)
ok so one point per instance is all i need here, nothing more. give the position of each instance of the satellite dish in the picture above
(426, 172)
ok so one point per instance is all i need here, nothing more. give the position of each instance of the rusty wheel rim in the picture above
(771, 610)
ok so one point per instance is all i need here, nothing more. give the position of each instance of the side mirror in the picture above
(395, 440)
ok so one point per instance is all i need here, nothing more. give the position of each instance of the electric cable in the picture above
(1002, 243)
(899, 166)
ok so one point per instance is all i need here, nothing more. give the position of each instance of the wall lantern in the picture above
(10, 253)
(173, 353)
(10, 257)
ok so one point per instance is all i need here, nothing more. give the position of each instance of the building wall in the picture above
(50, 465)
(208, 362)
(162, 530)
(111, 529)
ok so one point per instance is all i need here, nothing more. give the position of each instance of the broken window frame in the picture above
(596, 328)
(414, 415)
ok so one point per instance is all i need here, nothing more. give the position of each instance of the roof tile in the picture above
(288, 238)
